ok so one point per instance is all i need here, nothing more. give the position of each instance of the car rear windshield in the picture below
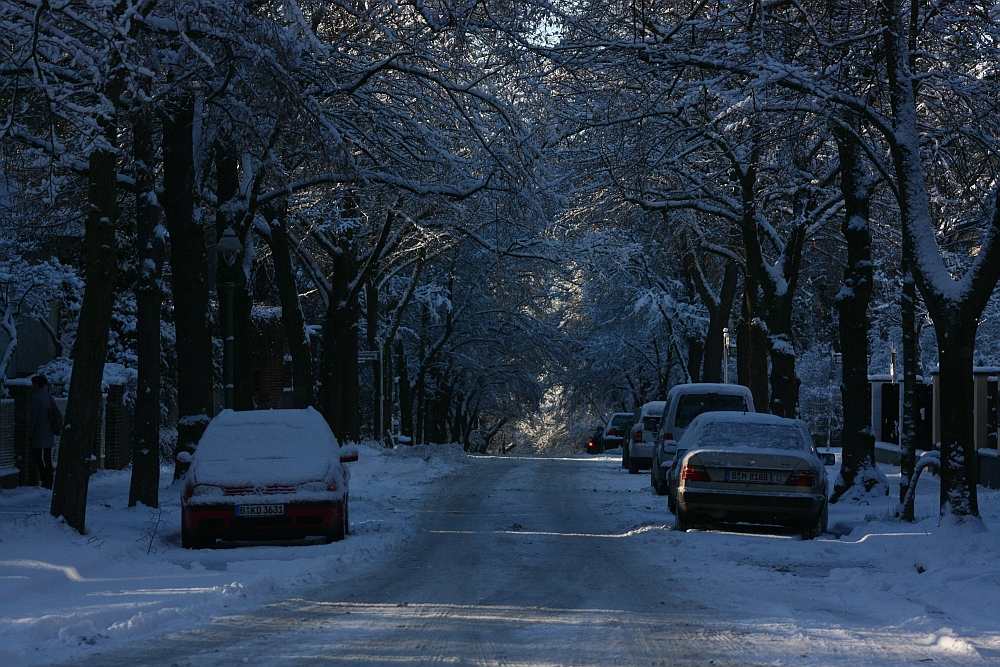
(692, 405)
(622, 420)
(650, 423)
(735, 434)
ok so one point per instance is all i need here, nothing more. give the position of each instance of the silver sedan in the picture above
(752, 468)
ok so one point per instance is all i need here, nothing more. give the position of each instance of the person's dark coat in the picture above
(42, 436)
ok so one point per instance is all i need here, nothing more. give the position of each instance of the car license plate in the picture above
(753, 476)
(252, 511)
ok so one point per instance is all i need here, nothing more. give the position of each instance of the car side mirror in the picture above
(828, 458)
(349, 456)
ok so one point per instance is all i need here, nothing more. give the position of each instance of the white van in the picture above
(684, 403)
(637, 454)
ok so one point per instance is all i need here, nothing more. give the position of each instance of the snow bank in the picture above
(874, 584)
(62, 593)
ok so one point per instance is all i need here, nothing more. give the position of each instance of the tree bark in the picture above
(371, 318)
(83, 413)
(718, 320)
(956, 338)
(405, 395)
(911, 362)
(189, 281)
(859, 465)
(292, 319)
(339, 393)
(695, 348)
(751, 352)
(151, 236)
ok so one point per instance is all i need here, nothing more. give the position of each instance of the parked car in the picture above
(637, 453)
(595, 441)
(753, 468)
(684, 403)
(266, 474)
(614, 433)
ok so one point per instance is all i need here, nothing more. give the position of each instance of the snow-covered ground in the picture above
(874, 582)
(62, 594)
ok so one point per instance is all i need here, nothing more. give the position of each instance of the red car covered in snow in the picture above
(266, 474)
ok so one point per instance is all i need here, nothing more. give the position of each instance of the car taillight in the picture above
(332, 486)
(805, 478)
(637, 436)
(690, 473)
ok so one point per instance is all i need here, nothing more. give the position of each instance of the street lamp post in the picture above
(725, 355)
(230, 249)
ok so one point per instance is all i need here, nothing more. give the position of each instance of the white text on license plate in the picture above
(748, 476)
(250, 511)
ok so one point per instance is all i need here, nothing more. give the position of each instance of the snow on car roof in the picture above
(710, 387)
(741, 418)
(653, 407)
(271, 433)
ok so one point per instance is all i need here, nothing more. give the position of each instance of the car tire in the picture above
(190, 539)
(671, 504)
(338, 532)
(681, 521)
(817, 527)
(659, 487)
(633, 468)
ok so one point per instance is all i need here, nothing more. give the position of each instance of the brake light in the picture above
(805, 478)
(690, 473)
(637, 436)
(332, 486)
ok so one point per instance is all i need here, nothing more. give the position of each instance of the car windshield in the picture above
(692, 405)
(736, 434)
(622, 421)
(650, 423)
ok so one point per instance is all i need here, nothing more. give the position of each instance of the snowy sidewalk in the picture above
(62, 593)
(882, 583)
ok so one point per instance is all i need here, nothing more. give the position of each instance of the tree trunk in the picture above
(695, 347)
(189, 281)
(956, 337)
(405, 395)
(76, 450)
(291, 313)
(718, 320)
(339, 393)
(911, 361)
(151, 237)
(859, 465)
(371, 315)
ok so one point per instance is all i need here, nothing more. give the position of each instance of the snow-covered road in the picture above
(522, 561)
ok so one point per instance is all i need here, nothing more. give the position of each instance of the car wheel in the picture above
(682, 521)
(671, 505)
(190, 539)
(659, 487)
(818, 527)
(339, 530)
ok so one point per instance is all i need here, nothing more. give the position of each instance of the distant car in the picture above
(614, 433)
(594, 444)
(753, 468)
(266, 474)
(637, 453)
(684, 403)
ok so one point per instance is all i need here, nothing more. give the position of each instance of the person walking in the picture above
(46, 422)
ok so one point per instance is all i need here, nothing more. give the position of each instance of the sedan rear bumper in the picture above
(761, 507)
(300, 520)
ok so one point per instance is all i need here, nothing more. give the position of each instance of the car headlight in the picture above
(206, 490)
